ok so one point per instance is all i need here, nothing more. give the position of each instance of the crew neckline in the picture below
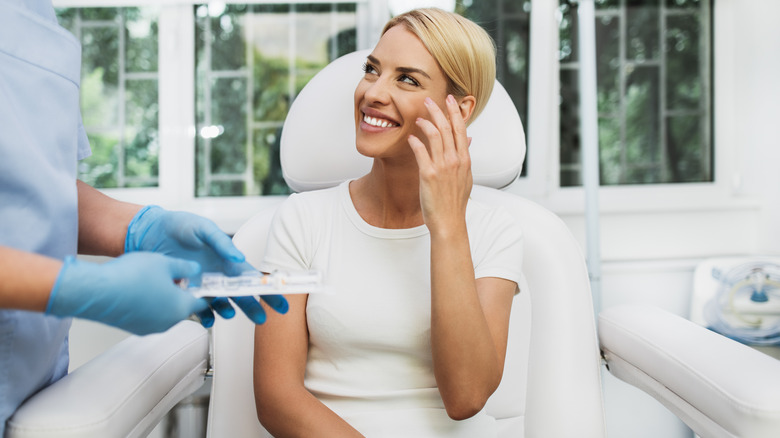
(365, 227)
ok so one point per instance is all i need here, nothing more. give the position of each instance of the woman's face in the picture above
(400, 74)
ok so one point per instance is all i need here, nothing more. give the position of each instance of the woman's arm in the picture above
(469, 318)
(103, 222)
(469, 329)
(284, 406)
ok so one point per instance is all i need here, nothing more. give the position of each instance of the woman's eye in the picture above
(368, 68)
(409, 80)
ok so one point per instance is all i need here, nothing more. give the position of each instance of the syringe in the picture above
(251, 283)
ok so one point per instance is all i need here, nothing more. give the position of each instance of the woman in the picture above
(413, 342)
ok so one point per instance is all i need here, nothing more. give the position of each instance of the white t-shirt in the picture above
(369, 343)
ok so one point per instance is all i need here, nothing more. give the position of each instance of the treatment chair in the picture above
(551, 386)
(318, 151)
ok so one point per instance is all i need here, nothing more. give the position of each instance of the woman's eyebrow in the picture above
(404, 70)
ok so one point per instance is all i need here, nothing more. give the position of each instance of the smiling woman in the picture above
(390, 355)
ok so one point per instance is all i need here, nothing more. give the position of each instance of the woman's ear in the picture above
(466, 106)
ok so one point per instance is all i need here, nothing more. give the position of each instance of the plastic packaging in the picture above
(253, 283)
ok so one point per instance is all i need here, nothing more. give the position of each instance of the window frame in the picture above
(176, 69)
(619, 205)
(543, 180)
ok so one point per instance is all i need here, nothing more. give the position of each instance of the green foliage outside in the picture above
(125, 149)
(653, 102)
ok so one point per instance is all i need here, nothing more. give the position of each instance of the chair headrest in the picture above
(318, 137)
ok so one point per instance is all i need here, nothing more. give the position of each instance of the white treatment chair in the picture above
(552, 367)
(124, 392)
(551, 386)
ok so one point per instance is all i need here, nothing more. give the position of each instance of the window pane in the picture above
(142, 113)
(607, 65)
(641, 115)
(684, 144)
(119, 93)
(228, 149)
(610, 154)
(569, 106)
(653, 67)
(252, 60)
(567, 32)
(683, 84)
(642, 31)
(141, 36)
(508, 23)
(606, 4)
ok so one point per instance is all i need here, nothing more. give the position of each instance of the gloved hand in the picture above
(134, 292)
(192, 237)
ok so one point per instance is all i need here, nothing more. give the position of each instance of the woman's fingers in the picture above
(461, 141)
(420, 152)
(445, 134)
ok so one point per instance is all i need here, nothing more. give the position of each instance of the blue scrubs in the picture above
(41, 141)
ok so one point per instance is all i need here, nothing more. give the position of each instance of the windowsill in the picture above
(640, 199)
(662, 222)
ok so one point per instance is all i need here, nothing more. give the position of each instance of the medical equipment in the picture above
(746, 305)
(253, 283)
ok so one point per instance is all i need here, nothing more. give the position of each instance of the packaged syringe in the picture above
(252, 283)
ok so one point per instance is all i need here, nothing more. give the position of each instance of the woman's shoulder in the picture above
(313, 200)
(485, 214)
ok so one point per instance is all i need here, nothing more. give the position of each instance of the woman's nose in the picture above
(378, 91)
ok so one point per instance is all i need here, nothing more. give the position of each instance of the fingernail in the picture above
(450, 98)
(428, 101)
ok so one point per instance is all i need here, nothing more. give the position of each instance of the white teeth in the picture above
(373, 121)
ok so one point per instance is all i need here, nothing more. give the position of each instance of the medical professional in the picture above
(47, 217)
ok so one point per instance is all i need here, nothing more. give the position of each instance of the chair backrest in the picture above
(551, 385)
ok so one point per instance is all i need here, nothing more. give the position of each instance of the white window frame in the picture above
(698, 210)
(176, 187)
(661, 220)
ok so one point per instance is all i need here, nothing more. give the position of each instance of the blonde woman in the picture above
(413, 341)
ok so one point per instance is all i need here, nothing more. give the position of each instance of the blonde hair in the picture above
(463, 50)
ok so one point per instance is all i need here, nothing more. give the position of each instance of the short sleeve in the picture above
(498, 248)
(288, 246)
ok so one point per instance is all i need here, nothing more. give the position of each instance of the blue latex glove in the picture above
(134, 292)
(192, 237)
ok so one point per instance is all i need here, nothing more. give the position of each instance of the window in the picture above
(654, 93)
(119, 93)
(252, 60)
(185, 100)
(509, 23)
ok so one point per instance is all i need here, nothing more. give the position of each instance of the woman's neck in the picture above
(388, 196)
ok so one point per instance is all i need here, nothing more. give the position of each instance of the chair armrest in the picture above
(124, 392)
(717, 386)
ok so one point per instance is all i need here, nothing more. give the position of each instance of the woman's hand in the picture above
(445, 167)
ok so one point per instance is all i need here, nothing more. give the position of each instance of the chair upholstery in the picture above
(717, 386)
(124, 392)
(552, 365)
